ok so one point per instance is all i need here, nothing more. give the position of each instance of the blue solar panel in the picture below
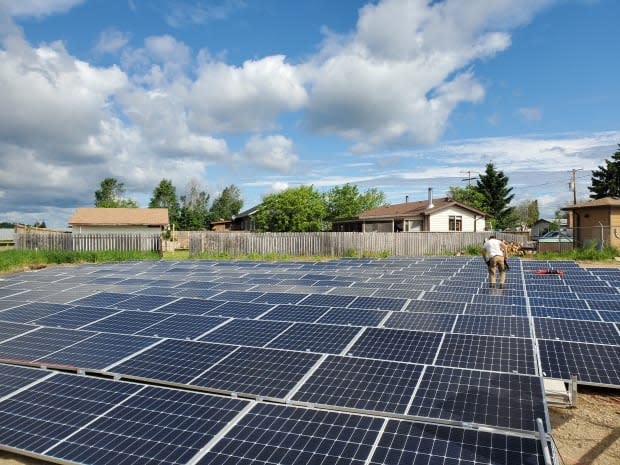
(173, 361)
(31, 311)
(378, 303)
(397, 345)
(320, 300)
(610, 316)
(240, 310)
(591, 363)
(364, 384)
(413, 443)
(191, 306)
(9, 330)
(238, 296)
(145, 302)
(495, 309)
(494, 399)
(576, 330)
(493, 325)
(421, 321)
(39, 343)
(126, 322)
(182, 326)
(300, 313)
(280, 298)
(505, 354)
(566, 313)
(435, 306)
(258, 372)
(275, 434)
(75, 317)
(353, 316)
(247, 332)
(102, 299)
(315, 338)
(14, 377)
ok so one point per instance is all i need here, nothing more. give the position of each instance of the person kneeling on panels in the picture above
(494, 252)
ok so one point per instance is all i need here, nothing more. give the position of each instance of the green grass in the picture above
(18, 260)
(591, 253)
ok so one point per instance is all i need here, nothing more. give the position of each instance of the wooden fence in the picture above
(88, 242)
(338, 244)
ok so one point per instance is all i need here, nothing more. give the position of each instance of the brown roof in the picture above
(604, 202)
(415, 208)
(120, 217)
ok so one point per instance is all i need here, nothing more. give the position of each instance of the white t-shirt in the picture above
(492, 247)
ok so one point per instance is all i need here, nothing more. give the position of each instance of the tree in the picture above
(110, 195)
(165, 196)
(527, 213)
(346, 201)
(493, 185)
(194, 213)
(468, 196)
(297, 209)
(606, 179)
(227, 204)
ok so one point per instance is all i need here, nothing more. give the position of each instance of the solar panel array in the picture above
(403, 360)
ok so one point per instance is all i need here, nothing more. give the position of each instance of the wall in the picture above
(440, 221)
(116, 229)
(589, 228)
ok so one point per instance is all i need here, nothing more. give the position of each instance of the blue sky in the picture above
(400, 95)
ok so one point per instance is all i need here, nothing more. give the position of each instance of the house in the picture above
(443, 214)
(221, 225)
(539, 228)
(244, 221)
(119, 220)
(596, 221)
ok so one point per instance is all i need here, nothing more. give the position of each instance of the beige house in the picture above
(119, 220)
(439, 215)
(596, 221)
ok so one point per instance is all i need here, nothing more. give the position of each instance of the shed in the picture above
(119, 220)
(596, 221)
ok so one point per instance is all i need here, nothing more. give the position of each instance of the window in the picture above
(455, 223)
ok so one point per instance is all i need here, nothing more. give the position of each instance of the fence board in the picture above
(88, 242)
(337, 243)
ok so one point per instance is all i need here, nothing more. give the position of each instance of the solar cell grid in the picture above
(102, 299)
(566, 313)
(15, 377)
(126, 322)
(173, 361)
(493, 353)
(576, 330)
(358, 383)
(31, 311)
(397, 345)
(353, 316)
(328, 300)
(495, 399)
(498, 310)
(421, 321)
(240, 310)
(295, 313)
(315, 338)
(75, 317)
(435, 306)
(493, 325)
(276, 434)
(258, 372)
(378, 303)
(145, 302)
(182, 326)
(247, 332)
(610, 316)
(238, 296)
(280, 298)
(591, 363)
(416, 443)
(39, 343)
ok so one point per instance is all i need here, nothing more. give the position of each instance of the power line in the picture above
(468, 178)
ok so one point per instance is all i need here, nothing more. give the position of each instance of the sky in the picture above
(398, 95)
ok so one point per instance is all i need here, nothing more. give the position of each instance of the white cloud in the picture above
(279, 186)
(37, 7)
(274, 153)
(249, 98)
(397, 78)
(531, 114)
(111, 41)
(181, 13)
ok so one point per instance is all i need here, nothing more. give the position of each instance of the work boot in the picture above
(501, 286)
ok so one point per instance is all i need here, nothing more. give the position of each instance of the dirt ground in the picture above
(586, 435)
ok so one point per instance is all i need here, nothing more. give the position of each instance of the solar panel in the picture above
(493, 325)
(397, 345)
(378, 303)
(359, 383)
(126, 322)
(577, 330)
(277, 434)
(494, 399)
(37, 344)
(494, 353)
(102, 299)
(145, 302)
(315, 338)
(353, 316)
(247, 332)
(15, 377)
(566, 313)
(31, 311)
(498, 310)
(407, 442)
(610, 316)
(421, 321)
(591, 363)
(9, 330)
(240, 310)
(279, 298)
(182, 326)
(191, 306)
(300, 313)
(328, 300)
(173, 361)
(75, 317)
(238, 296)
(435, 306)
(258, 372)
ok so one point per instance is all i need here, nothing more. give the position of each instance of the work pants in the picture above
(497, 263)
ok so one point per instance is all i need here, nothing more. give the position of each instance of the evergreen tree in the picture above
(493, 185)
(606, 179)
(110, 195)
(227, 204)
(165, 196)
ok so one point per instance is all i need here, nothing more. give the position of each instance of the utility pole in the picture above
(468, 178)
(573, 185)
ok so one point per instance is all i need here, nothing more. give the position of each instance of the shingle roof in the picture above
(120, 217)
(415, 208)
(604, 202)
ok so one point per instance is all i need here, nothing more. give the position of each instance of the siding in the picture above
(440, 221)
(116, 230)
